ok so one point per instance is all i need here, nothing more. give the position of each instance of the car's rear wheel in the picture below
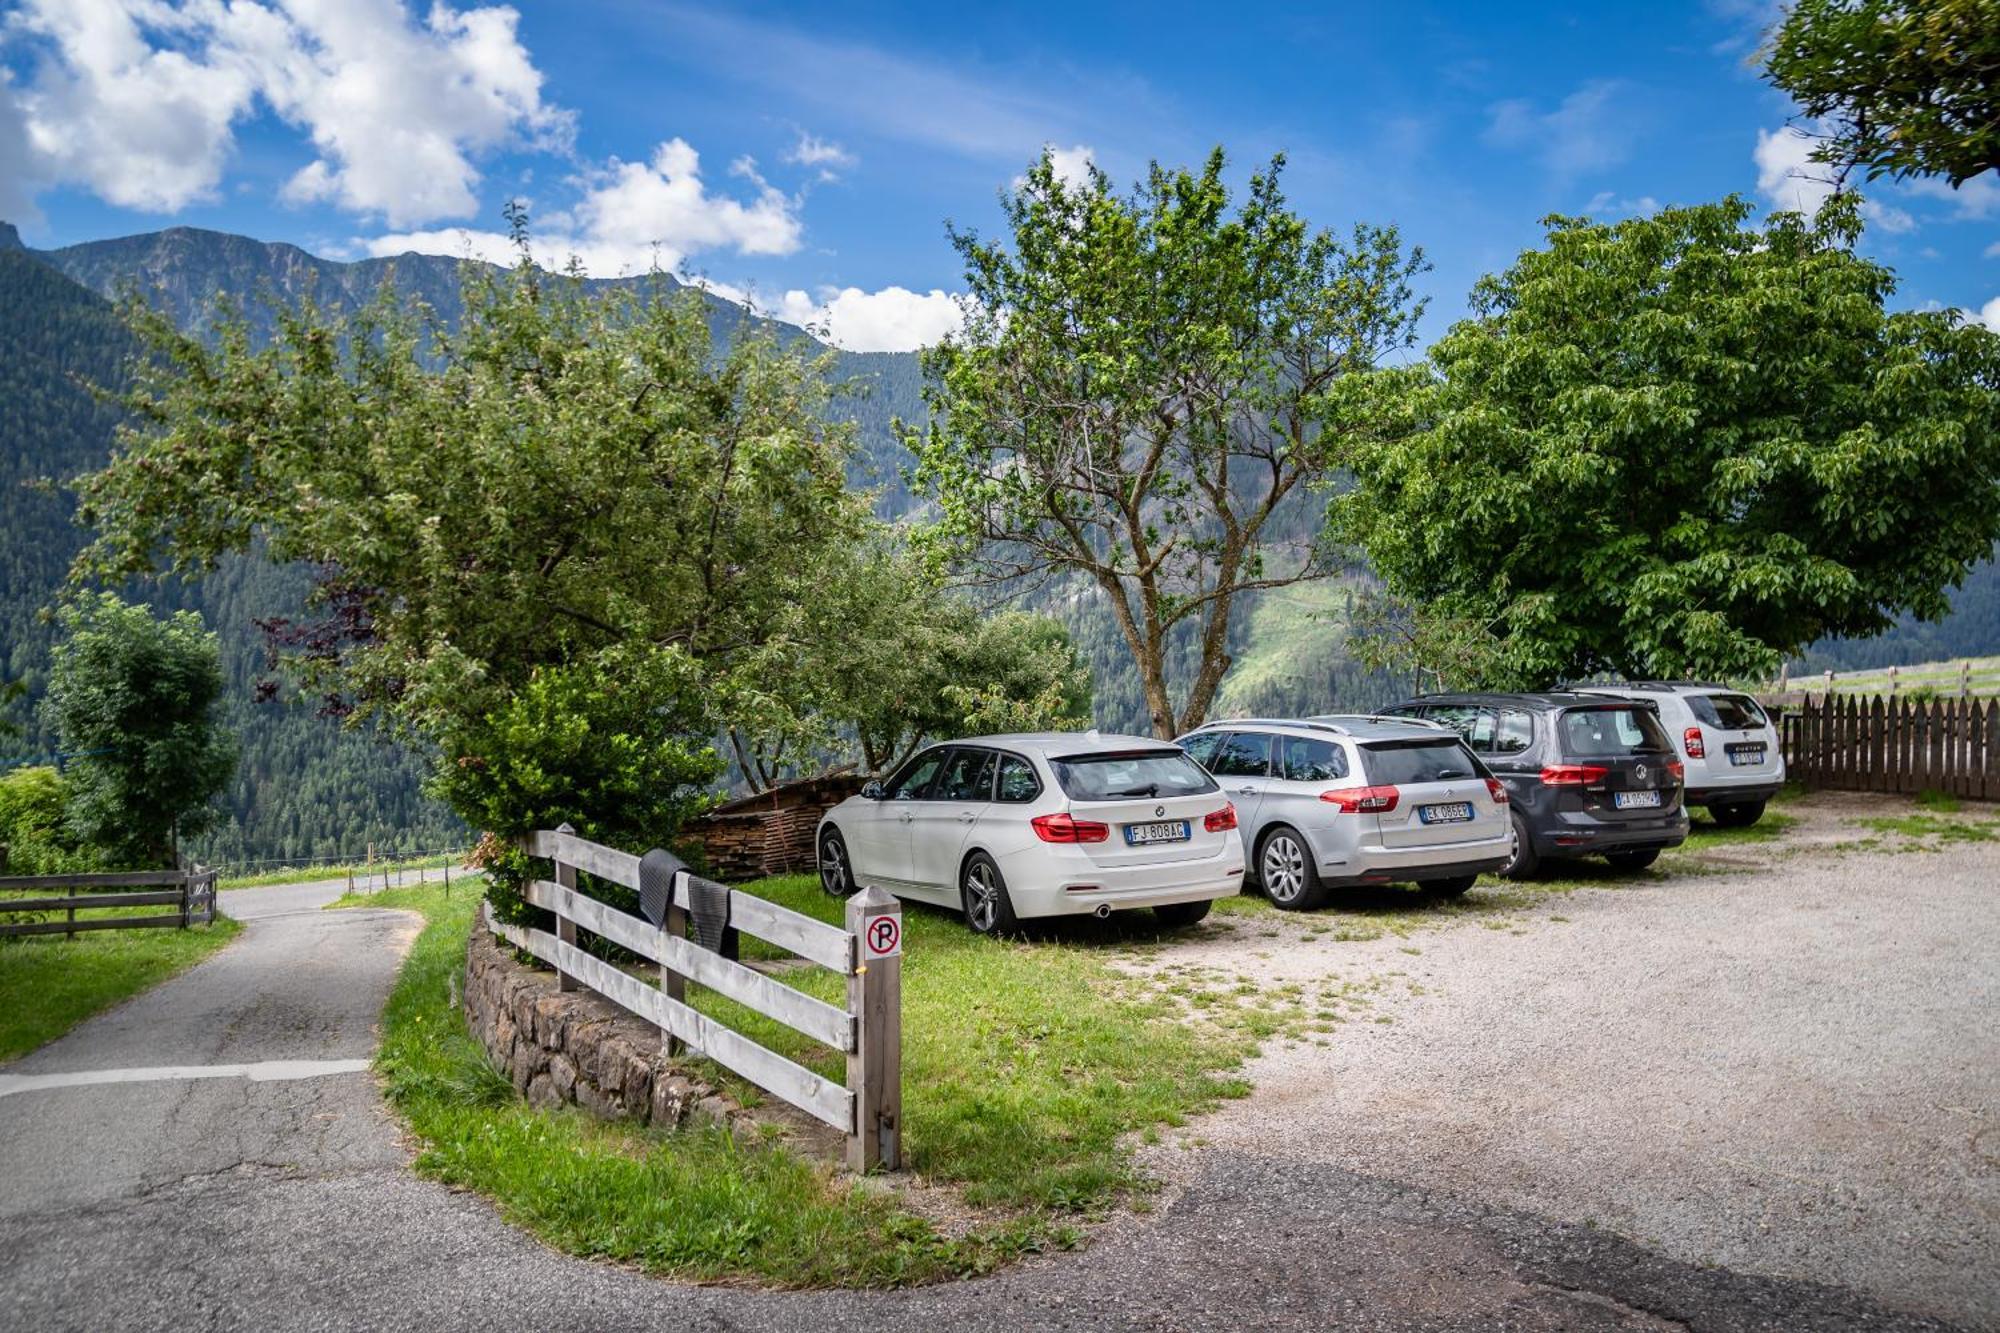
(1285, 868)
(983, 895)
(1454, 887)
(1176, 915)
(1736, 814)
(836, 874)
(1521, 860)
(1636, 859)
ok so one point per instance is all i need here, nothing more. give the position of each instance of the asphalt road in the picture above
(285, 1203)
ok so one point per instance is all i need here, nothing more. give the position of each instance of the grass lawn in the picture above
(49, 984)
(316, 874)
(1027, 1066)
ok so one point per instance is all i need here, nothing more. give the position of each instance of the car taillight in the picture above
(1220, 821)
(1574, 775)
(1691, 742)
(1677, 770)
(1063, 828)
(1498, 789)
(1362, 800)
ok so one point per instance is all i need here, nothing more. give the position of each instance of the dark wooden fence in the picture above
(1895, 745)
(190, 892)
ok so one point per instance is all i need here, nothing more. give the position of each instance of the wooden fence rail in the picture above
(191, 892)
(1895, 745)
(867, 951)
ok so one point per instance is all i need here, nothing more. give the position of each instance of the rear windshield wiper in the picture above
(1150, 789)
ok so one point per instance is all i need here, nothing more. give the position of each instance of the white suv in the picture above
(1734, 764)
(1051, 824)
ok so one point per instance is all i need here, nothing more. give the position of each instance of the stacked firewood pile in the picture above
(771, 833)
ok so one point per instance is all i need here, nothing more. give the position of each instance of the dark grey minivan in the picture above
(1586, 775)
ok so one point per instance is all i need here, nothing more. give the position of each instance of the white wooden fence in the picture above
(867, 951)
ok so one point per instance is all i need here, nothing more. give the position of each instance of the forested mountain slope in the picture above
(306, 787)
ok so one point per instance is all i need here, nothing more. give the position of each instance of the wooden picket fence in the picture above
(190, 892)
(867, 951)
(1895, 745)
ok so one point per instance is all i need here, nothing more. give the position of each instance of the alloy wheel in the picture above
(833, 867)
(982, 897)
(1283, 868)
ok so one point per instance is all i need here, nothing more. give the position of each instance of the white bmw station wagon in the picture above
(1048, 824)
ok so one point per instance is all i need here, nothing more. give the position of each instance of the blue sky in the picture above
(806, 157)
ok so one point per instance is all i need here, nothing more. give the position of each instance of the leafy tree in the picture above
(567, 478)
(35, 838)
(886, 657)
(1683, 446)
(1140, 385)
(1900, 87)
(133, 700)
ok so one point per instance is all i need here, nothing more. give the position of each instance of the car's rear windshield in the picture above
(1396, 763)
(1130, 773)
(1598, 733)
(1733, 712)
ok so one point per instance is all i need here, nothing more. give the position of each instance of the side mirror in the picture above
(872, 790)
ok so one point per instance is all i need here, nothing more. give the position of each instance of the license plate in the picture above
(1457, 812)
(1746, 756)
(1635, 800)
(1172, 830)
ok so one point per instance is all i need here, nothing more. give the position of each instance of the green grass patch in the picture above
(360, 870)
(1704, 834)
(1928, 828)
(1943, 803)
(49, 984)
(1027, 1068)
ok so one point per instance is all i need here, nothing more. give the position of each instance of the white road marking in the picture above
(264, 1071)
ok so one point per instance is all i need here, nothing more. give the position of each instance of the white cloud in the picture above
(1887, 217)
(1993, 250)
(829, 157)
(1989, 314)
(1071, 166)
(633, 216)
(139, 100)
(1786, 173)
(1610, 203)
(1976, 200)
(1590, 130)
(894, 319)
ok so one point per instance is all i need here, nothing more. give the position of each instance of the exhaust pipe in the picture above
(1103, 910)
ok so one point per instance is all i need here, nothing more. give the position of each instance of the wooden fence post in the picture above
(565, 928)
(875, 1004)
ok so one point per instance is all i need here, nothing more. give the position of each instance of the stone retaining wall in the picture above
(576, 1047)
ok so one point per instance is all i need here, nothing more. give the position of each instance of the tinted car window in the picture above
(1303, 760)
(1611, 732)
(1108, 777)
(913, 777)
(1735, 712)
(1397, 762)
(1517, 732)
(1200, 747)
(1242, 754)
(968, 777)
(1461, 718)
(1018, 783)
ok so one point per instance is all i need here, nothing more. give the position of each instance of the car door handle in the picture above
(967, 816)
(905, 816)
(1248, 791)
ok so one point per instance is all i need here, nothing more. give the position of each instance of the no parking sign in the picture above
(882, 937)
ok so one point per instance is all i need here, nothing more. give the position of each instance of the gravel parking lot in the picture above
(1777, 1057)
